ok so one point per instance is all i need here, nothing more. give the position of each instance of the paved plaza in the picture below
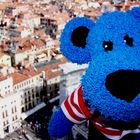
(23, 133)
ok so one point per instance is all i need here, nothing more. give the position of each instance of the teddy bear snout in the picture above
(124, 84)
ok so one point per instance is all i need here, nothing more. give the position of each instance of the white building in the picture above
(30, 83)
(70, 78)
(20, 96)
(32, 22)
(9, 114)
(6, 86)
(9, 107)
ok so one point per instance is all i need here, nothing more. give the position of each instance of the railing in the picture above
(28, 137)
(81, 131)
(54, 99)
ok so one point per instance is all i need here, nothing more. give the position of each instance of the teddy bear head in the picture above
(111, 47)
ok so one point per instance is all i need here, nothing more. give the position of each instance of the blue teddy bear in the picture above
(109, 95)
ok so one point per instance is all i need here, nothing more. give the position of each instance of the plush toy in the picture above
(109, 95)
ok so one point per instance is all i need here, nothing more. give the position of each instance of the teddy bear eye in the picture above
(108, 45)
(128, 40)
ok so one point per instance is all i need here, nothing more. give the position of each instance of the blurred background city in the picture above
(35, 78)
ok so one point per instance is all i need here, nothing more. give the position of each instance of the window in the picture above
(29, 98)
(30, 106)
(15, 109)
(12, 110)
(4, 123)
(22, 109)
(33, 95)
(51, 94)
(13, 118)
(3, 114)
(33, 104)
(26, 107)
(56, 85)
(25, 100)
(6, 113)
(37, 94)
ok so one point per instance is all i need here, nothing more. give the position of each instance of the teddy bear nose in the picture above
(124, 84)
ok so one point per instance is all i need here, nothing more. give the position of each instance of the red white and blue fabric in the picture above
(77, 112)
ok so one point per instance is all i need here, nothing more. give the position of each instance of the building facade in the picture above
(9, 107)
(20, 96)
(5, 59)
(70, 79)
(31, 84)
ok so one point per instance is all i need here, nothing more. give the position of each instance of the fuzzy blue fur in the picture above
(59, 126)
(113, 26)
(138, 137)
(135, 12)
(67, 47)
(110, 26)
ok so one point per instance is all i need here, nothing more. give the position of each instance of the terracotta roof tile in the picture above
(38, 43)
(30, 71)
(18, 77)
(2, 77)
(52, 70)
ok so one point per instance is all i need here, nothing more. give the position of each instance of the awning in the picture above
(30, 112)
(54, 99)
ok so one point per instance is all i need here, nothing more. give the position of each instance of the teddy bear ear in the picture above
(73, 43)
(135, 11)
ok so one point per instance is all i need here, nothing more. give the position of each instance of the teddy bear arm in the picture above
(59, 125)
